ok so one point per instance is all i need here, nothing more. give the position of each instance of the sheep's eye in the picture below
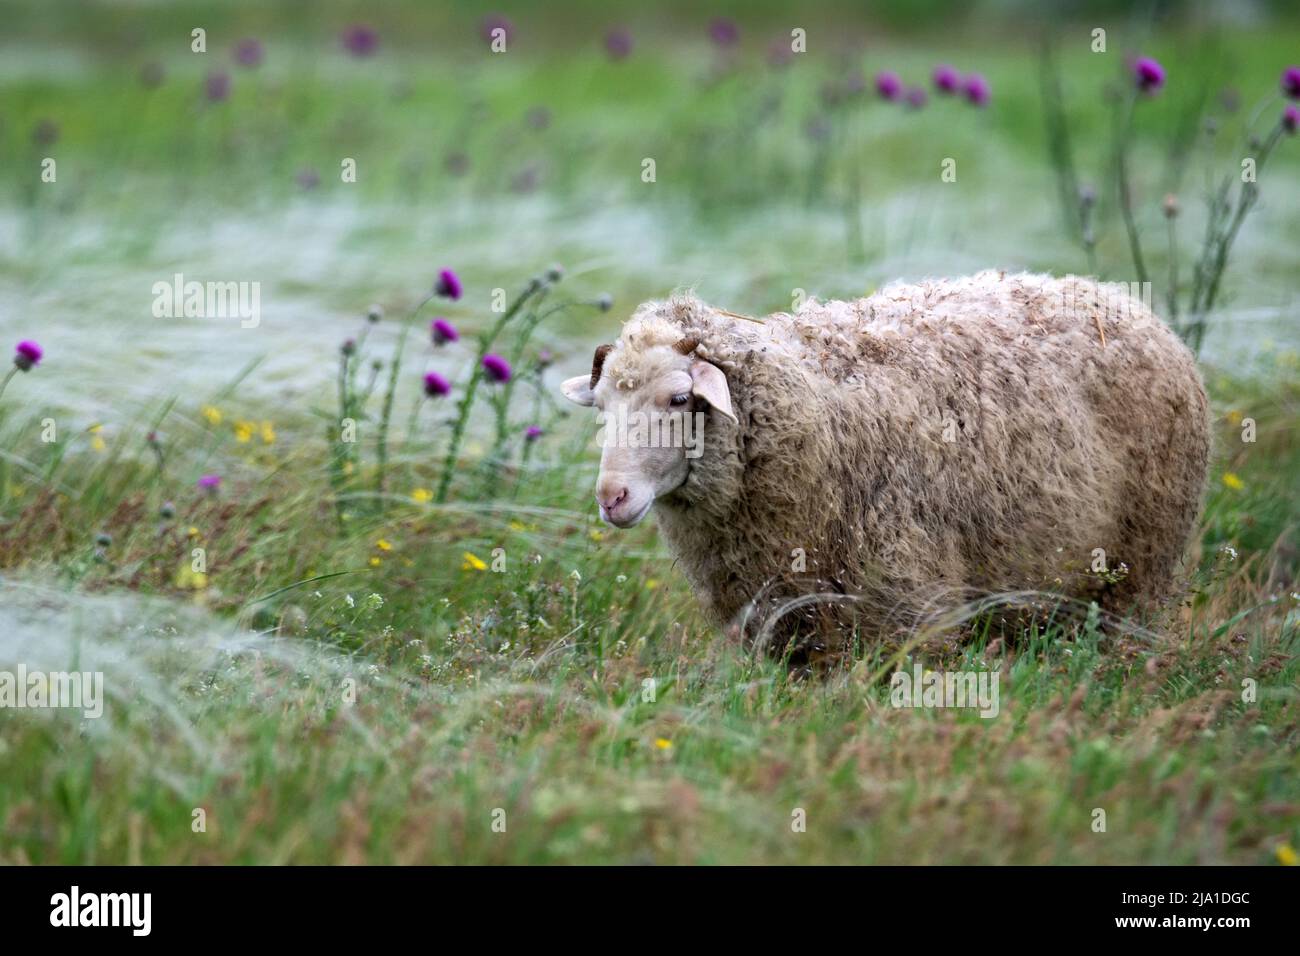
(681, 399)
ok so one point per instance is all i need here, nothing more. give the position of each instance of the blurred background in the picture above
(774, 170)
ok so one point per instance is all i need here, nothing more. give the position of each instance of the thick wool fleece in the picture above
(934, 442)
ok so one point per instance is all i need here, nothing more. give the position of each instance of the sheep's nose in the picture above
(610, 498)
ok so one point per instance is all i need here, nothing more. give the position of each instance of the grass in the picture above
(351, 675)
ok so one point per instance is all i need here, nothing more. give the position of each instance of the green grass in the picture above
(343, 682)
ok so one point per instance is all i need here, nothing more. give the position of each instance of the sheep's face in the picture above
(653, 404)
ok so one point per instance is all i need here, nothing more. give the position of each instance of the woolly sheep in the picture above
(929, 443)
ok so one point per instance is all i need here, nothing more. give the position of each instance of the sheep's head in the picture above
(654, 395)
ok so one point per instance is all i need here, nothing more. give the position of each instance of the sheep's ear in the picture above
(578, 389)
(708, 382)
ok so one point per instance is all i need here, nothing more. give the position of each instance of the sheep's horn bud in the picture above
(687, 345)
(598, 363)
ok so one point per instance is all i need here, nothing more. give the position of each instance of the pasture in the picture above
(415, 642)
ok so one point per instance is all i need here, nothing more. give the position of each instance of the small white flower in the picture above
(574, 575)
(620, 579)
(348, 599)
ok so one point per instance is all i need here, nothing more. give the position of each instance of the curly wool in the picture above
(955, 436)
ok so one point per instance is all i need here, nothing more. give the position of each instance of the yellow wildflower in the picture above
(473, 563)
(383, 545)
(243, 432)
(193, 532)
(1234, 417)
(375, 562)
(422, 495)
(268, 433)
(1232, 481)
(663, 743)
(188, 578)
(96, 441)
(1286, 855)
(597, 534)
(651, 584)
(212, 414)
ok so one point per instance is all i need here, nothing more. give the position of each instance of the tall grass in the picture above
(368, 651)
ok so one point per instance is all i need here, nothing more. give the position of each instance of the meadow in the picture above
(422, 645)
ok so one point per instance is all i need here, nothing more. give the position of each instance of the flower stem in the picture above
(466, 402)
(387, 413)
(1216, 256)
(1171, 295)
(1125, 192)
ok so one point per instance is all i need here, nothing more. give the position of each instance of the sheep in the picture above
(926, 444)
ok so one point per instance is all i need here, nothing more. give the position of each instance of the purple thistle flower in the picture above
(151, 75)
(1148, 74)
(360, 40)
(532, 433)
(525, 181)
(457, 163)
(724, 32)
(946, 79)
(1290, 119)
(448, 285)
(497, 368)
(248, 52)
(27, 355)
(916, 97)
(210, 483)
(1291, 82)
(779, 54)
(977, 90)
(888, 85)
(491, 24)
(618, 44)
(45, 133)
(443, 332)
(435, 385)
(217, 86)
(817, 129)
